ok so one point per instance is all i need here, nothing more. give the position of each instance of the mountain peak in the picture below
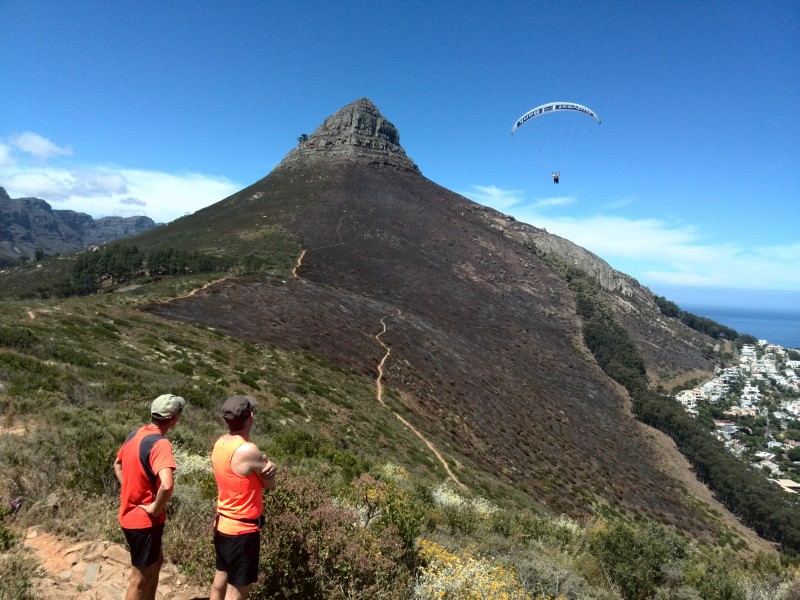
(357, 132)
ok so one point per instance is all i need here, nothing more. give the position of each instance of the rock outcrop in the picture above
(356, 132)
(94, 570)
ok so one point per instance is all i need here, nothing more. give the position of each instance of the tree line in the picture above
(120, 263)
(746, 492)
(703, 325)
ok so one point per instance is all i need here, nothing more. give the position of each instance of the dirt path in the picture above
(200, 289)
(379, 390)
(299, 262)
(95, 571)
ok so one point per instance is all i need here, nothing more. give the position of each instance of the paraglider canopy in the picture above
(563, 128)
(554, 107)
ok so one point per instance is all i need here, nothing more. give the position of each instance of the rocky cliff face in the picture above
(356, 132)
(31, 224)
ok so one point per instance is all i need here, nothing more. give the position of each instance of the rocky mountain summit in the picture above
(359, 132)
(356, 132)
(28, 225)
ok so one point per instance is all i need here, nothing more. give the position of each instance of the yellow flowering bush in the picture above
(448, 576)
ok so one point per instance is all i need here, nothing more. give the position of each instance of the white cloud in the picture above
(657, 251)
(133, 201)
(5, 155)
(555, 201)
(490, 195)
(620, 203)
(38, 146)
(103, 190)
(56, 185)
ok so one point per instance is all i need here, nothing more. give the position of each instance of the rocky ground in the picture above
(95, 571)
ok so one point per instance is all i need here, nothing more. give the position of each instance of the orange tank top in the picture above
(240, 496)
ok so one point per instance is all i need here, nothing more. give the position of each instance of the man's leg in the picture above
(143, 582)
(222, 590)
(153, 572)
(238, 592)
(219, 585)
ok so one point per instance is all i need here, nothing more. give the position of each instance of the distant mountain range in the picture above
(30, 226)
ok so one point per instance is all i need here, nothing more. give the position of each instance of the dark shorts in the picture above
(237, 555)
(144, 544)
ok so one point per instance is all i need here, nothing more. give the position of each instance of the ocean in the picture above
(780, 327)
(772, 315)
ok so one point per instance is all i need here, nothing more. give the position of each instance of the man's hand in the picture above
(151, 509)
(269, 470)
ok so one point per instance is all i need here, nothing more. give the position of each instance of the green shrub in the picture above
(16, 572)
(638, 559)
(7, 537)
(17, 338)
(387, 506)
(184, 367)
(313, 549)
(29, 376)
(249, 380)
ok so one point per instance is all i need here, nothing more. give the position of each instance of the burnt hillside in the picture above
(487, 357)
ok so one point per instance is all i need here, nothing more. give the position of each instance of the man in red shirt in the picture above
(242, 472)
(144, 468)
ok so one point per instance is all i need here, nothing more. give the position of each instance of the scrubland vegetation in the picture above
(361, 510)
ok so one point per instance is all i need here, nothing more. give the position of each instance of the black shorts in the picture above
(144, 544)
(237, 555)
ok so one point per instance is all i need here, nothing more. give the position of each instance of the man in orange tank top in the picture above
(144, 468)
(242, 472)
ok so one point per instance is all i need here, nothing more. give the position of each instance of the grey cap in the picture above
(167, 406)
(236, 407)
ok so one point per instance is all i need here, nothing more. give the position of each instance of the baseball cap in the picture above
(167, 406)
(237, 407)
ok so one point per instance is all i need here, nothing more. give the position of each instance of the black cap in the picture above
(237, 407)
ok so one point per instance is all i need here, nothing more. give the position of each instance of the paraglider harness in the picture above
(555, 177)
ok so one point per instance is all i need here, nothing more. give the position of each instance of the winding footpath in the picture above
(379, 388)
(297, 265)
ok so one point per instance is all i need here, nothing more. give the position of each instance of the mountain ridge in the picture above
(30, 225)
(454, 282)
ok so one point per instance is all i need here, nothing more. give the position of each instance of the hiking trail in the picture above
(379, 392)
(297, 265)
(95, 570)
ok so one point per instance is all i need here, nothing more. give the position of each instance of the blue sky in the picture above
(692, 181)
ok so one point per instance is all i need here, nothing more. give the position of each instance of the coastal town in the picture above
(754, 408)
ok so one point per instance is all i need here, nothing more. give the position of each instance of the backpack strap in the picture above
(145, 448)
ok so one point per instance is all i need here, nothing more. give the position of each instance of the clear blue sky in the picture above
(692, 180)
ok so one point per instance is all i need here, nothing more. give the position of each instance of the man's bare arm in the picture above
(118, 470)
(248, 459)
(162, 495)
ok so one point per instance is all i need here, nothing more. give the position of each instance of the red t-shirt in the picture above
(136, 486)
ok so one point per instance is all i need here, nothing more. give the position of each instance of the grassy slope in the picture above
(78, 374)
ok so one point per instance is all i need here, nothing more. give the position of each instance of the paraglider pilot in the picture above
(555, 176)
